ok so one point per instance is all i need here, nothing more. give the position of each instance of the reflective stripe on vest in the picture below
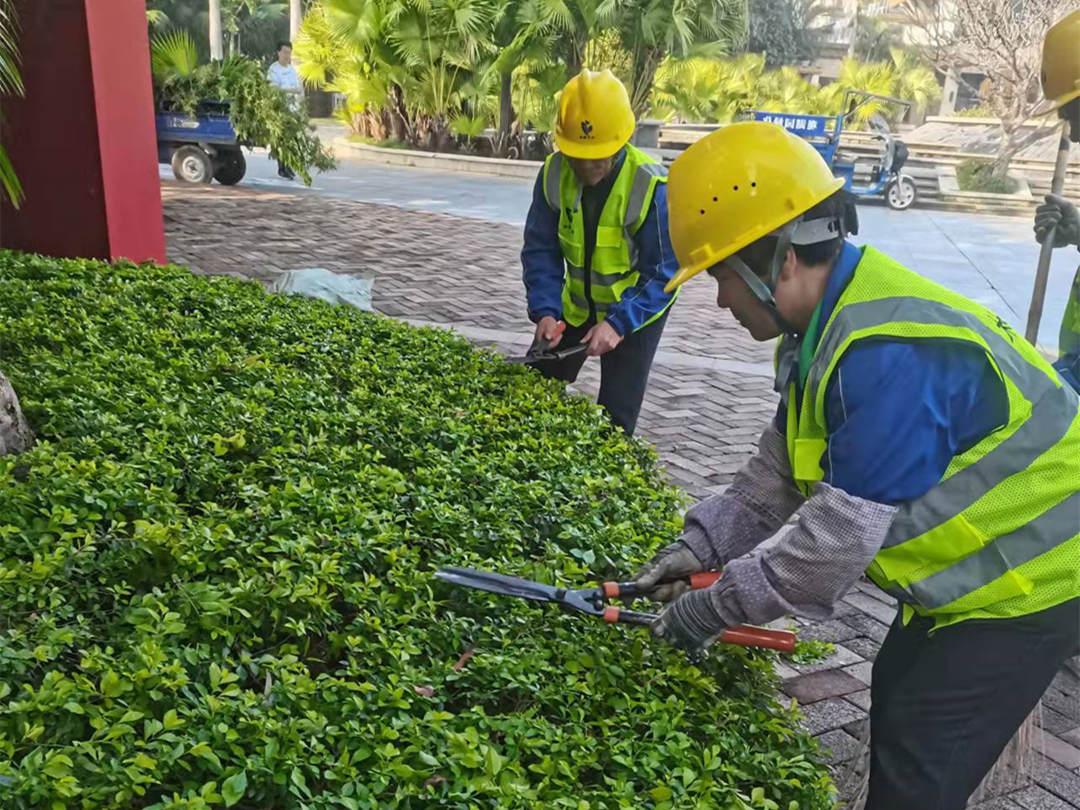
(1047, 425)
(999, 535)
(614, 258)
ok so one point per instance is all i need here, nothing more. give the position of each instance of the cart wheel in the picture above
(190, 164)
(230, 167)
(901, 193)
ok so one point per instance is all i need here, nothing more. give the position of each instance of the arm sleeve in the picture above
(656, 265)
(811, 567)
(758, 502)
(541, 257)
(271, 76)
(897, 414)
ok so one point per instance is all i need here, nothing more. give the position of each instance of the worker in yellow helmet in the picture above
(597, 254)
(920, 440)
(1061, 86)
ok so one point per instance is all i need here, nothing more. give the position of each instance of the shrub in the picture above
(977, 175)
(215, 571)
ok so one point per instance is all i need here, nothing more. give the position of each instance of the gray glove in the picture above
(1060, 214)
(690, 623)
(674, 562)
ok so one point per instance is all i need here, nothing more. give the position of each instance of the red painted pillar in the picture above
(82, 138)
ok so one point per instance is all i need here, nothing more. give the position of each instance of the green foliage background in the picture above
(215, 571)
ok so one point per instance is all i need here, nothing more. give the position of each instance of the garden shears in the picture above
(542, 349)
(539, 352)
(594, 602)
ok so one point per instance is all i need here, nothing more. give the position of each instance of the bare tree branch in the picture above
(1001, 39)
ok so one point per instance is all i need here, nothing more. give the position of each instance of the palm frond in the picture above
(156, 18)
(173, 54)
(9, 180)
(10, 79)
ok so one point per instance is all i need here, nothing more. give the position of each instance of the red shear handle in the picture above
(747, 636)
(704, 579)
(629, 590)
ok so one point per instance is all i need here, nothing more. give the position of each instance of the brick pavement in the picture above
(708, 400)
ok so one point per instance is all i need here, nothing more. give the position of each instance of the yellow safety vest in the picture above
(999, 535)
(613, 269)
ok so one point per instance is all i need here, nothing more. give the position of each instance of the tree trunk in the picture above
(398, 115)
(217, 49)
(15, 433)
(644, 74)
(506, 113)
(296, 16)
(1008, 147)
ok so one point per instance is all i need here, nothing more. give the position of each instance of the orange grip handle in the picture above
(704, 579)
(746, 636)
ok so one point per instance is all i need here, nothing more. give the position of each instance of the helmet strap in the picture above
(797, 232)
(762, 291)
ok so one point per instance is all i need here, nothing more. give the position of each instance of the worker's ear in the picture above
(791, 262)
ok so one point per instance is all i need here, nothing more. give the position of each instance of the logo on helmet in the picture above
(586, 131)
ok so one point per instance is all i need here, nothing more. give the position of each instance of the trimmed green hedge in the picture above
(215, 571)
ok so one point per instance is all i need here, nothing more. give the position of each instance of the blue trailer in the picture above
(823, 132)
(201, 147)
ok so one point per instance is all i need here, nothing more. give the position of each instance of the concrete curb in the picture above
(495, 167)
(947, 199)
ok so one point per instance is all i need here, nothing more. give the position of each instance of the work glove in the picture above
(690, 623)
(674, 562)
(1060, 214)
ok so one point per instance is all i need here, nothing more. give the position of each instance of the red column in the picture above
(82, 138)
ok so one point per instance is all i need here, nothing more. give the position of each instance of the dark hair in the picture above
(283, 44)
(839, 205)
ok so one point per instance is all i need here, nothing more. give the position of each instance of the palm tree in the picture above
(654, 29)
(10, 85)
(425, 52)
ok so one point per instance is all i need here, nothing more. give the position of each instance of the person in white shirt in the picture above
(282, 75)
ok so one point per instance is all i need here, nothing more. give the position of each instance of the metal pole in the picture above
(1042, 271)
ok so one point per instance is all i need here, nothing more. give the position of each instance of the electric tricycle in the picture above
(201, 147)
(823, 132)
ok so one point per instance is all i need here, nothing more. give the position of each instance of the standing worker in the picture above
(597, 254)
(919, 439)
(1061, 85)
(282, 75)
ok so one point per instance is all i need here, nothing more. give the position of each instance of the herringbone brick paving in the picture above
(710, 396)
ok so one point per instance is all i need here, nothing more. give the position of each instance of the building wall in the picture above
(82, 137)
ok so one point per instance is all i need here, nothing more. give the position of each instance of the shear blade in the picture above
(500, 584)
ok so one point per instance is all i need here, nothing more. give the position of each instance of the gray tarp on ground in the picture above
(326, 285)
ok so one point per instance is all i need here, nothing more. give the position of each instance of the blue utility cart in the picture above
(201, 147)
(823, 132)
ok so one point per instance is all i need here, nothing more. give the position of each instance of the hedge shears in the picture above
(542, 350)
(539, 352)
(595, 602)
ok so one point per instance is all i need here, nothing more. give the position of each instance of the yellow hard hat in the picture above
(735, 186)
(1061, 61)
(595, 117)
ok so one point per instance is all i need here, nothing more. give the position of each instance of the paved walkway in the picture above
(709, 398)
(989, 258)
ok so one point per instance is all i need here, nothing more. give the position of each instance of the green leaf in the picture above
(172, 720)
(661, 793)
(232, 789)
(297, 778)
